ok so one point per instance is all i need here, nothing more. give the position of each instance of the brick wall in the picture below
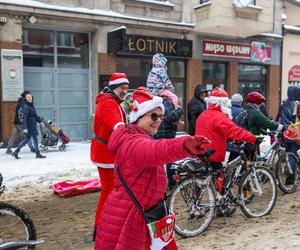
(232, 85)
(107, 64)
(7, 109)
(273, 90)
(193, 77)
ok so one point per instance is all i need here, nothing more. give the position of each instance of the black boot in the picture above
(15, 154)
(290, 180)
(32, 150)
(9, 151)
(94, 234)
(39, 155)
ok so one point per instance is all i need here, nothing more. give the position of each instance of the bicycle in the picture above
(278, 159)
(193, 199)
(15, 225)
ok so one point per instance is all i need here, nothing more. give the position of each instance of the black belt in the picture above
(101, 140)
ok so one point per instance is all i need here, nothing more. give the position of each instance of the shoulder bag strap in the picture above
(132, 196)
(295, 111)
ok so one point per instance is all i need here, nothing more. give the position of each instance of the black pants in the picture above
(170, 173)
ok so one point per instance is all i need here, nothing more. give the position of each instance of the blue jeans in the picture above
(27, 139)
(292, 147)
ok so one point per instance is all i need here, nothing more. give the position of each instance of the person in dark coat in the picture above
(236, 106)
(30, 118)
(256, 120)
(236, 109)
(167, 130)
(196, 106)
(286, 116)
(18, 128)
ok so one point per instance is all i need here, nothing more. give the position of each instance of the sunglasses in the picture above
(154, 116)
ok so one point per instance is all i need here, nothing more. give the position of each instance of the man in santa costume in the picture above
(109, 115)
(215, 123)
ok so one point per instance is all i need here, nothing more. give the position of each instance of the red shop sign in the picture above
(294, 74)
(226, 49)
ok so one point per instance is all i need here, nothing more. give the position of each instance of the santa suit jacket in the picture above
(141, 160)
(108, 116)
(218, 128)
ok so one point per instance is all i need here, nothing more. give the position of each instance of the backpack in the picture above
(20, 113)
(242, 119)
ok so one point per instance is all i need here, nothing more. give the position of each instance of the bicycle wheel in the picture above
(287, 178)
(193, 204)
(15, 225)
(258, 192)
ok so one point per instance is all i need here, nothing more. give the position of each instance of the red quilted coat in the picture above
(140, 159)
(217, 127)
(108, 115)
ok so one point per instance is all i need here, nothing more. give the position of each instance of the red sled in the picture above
(70, 188)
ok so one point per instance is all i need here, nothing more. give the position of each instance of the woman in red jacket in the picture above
(140, 160)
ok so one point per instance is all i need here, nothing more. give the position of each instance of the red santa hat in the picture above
(144, 102)
(218, 97)
(117, 79)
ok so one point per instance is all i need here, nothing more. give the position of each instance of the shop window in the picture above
(214, 75)
(38, 48)
(43, 48)
(72, 50)
(252, 78)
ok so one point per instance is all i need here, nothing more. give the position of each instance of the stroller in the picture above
(51, 135)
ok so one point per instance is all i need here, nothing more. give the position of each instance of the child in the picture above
(158, 82)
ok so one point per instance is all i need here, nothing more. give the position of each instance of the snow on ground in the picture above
(73, 164)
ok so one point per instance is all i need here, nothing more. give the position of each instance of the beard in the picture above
(227, 111)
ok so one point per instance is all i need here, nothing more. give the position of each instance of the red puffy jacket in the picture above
(140, 159)
(218, 128)
(108, 115)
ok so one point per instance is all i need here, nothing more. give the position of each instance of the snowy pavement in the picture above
(73, 164)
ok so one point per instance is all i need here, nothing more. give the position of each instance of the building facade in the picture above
(291, 49)
(64, 51)
(239, 46)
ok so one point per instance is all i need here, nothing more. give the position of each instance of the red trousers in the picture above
(107, 184)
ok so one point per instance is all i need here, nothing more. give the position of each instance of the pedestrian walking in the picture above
(196, 106)
(109, 115)
(18, 127)
(30, 118)
(140, 162)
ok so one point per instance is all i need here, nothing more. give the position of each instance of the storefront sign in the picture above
(121, 43)
(12, 74)
(294, 74)
(226, 49)
(260, 52)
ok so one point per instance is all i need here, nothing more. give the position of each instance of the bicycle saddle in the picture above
(194, 166)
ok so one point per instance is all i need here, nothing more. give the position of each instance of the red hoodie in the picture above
(217, 127)
(108, 115)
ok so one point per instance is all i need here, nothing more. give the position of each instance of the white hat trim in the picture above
(219, 101)
(117, 81)
(145, 107)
